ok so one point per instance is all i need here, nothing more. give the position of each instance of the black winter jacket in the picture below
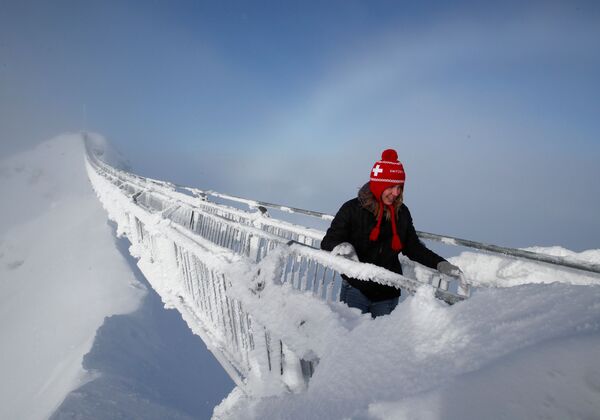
(353, 223)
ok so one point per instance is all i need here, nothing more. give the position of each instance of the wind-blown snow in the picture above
(73, 314)
(60, 276)
(528, 351)
(517, 350)
(500, 271)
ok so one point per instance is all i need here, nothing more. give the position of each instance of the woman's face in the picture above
(391, 193)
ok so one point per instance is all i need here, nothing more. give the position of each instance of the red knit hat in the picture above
(386, 173)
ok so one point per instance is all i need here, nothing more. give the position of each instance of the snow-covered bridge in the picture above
(258, 290)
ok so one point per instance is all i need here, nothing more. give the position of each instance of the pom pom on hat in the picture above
(389, 155)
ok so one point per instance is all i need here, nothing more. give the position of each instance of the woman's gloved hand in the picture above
(346, 250)
(448, 269)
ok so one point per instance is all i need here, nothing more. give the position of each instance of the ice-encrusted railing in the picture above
(252, 234)
(224, 268)
(194, 276)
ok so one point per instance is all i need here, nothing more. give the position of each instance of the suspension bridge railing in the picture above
(222, 267)
(313, 237)
(198, 278)
(251, 234)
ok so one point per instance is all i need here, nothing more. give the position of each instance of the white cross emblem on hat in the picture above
(377, 170)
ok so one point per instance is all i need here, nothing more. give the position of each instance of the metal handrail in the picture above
(513, 252)
(444, 239)
(201, 276)
(270, 231)
(447, 240)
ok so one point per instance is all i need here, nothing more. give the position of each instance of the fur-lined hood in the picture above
(368, 201)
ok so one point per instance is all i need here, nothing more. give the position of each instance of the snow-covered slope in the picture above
(60, 275)
(75, 314)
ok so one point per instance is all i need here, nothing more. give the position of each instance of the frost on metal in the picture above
(264, 299)
(257, 290)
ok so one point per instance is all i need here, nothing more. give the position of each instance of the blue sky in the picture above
(492, 107)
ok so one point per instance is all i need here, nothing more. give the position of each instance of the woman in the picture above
(374, 228)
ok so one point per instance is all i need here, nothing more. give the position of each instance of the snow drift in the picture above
(526, 351)
(74, 314)
(61, 275)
